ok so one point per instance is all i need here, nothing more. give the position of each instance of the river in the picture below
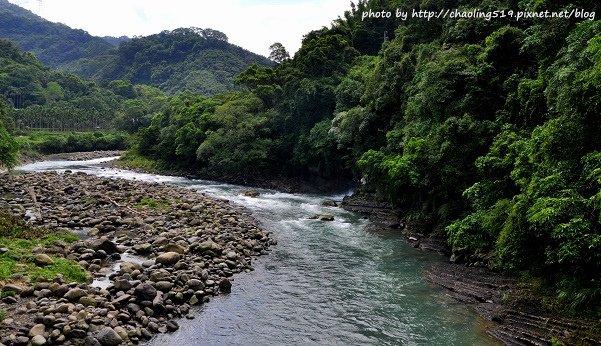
(334, 283)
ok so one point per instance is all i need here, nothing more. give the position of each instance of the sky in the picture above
(251, 24)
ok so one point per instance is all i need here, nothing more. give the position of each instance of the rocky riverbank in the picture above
(186, 247)
(514, 312)
(384, 216)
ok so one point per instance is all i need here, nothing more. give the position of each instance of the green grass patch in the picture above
(20, 239)
(154, 203)
(2, 315)
(19, 260)
(71, 270)
(133, 160)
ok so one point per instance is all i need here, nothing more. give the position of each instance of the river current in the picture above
(325, 283)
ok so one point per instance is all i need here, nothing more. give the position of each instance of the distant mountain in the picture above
(194, 59)
(198, 60)
(53, 43)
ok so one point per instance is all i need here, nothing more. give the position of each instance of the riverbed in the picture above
(324, 283)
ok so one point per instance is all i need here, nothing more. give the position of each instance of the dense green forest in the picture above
(198, 60)
(44, 98)
(485, 132)
(53, 43)
(8, 145)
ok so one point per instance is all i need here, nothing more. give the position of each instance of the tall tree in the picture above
(278, 53)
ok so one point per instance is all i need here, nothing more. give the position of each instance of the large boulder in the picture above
(38, 329)
(142, 249)
(208, 245)
(13, 288)
(329, 203)
(174, 248)
(104, 244)
(42, 260)
(107, 336)
(38, 340)
(146, 291)
(74, 294)
(168, 258)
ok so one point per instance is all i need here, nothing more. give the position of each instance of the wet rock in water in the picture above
(329, 203)
(252, 193)
(108, 337)
(75, 294)
(129, 267)
(104, 244)
(146, 291)
(225, 285)
(172, 326)
(168, 258)
(42, 260)
(323, 217)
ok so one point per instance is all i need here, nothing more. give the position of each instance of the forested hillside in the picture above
(198, 60)
(485, 132)
(45, 98)
(53, 43)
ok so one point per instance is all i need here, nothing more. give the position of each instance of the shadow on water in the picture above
(324, 283)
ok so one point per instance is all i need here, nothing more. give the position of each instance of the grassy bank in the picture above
(132, 160)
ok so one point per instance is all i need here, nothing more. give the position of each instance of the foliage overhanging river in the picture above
(324, 283)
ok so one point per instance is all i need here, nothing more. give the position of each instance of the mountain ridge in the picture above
(193, 59)
(53, 43)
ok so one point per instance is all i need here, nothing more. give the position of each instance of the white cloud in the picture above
(252, 24)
